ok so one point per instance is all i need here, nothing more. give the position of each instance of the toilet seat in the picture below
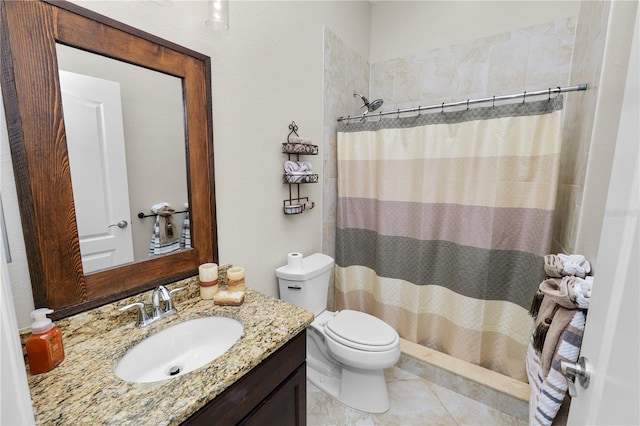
(361, 331)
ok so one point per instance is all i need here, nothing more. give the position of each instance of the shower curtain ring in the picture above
(398, 114)
(549, 93)
(524, 96)
(442, 109)
(494, 101)
(467, 104)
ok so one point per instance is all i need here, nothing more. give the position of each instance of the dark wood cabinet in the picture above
(274, 392)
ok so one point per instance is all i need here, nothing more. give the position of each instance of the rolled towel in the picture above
(305, 166)
(298, 139)
(290, 167)
(587, 286)
(561, 265)
(583, 292)
(553, 266)
(297, 167)
(575, 264)
(569, 292)
(560, 290)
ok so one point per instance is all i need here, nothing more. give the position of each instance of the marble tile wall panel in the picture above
(529, 59)
(586, 67)
(344, 71)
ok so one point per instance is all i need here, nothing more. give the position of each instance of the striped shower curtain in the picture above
(442, 223)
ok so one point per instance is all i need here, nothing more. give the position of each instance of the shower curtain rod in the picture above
(468, 102)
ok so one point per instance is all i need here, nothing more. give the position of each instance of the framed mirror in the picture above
(124, 126)
(34, 35)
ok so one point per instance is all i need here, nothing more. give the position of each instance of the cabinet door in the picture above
(281, 377)
(287, 405)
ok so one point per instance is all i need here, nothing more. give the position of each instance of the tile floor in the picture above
(414, 401)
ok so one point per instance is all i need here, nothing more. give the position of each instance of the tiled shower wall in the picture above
(528, 59)
(533, 58)
(580, 205)
(344, 72)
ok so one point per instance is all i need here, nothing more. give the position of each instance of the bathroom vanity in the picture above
(260, 379)
(274, 392)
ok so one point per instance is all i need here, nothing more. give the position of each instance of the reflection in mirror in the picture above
(125, 135)
(39, 149)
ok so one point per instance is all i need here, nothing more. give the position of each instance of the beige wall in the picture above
(267, 71)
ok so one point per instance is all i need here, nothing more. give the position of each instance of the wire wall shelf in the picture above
(294, 147)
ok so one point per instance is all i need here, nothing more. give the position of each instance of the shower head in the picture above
(371, 106)
(375, 105)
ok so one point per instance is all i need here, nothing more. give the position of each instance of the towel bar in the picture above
(142, 215)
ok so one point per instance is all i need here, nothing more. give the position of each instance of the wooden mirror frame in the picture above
(35, 123)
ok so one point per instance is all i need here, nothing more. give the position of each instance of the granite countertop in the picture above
(85, 390)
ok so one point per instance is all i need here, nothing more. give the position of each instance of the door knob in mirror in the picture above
(121, 224)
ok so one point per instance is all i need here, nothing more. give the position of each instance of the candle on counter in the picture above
(208, 274)
(235, 279)
(234, 294)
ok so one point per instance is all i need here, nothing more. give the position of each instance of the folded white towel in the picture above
(292, 167)
(305, 166)
(575, 264)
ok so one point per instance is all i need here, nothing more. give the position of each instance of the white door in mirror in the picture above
(179, 349)
(95, 141)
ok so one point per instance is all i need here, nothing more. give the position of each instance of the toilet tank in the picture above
(306, 286)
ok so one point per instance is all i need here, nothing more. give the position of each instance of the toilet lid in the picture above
(361, 331)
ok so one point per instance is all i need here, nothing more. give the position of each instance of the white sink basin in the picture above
(179, 349)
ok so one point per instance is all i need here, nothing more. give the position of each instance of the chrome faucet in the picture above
(162, 305)
(160, 292)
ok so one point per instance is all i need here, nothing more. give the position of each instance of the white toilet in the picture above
(347, 350)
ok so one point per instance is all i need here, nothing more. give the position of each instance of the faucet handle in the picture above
(169, 309)
(143, 316)
(177, 289)
(160, 292)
